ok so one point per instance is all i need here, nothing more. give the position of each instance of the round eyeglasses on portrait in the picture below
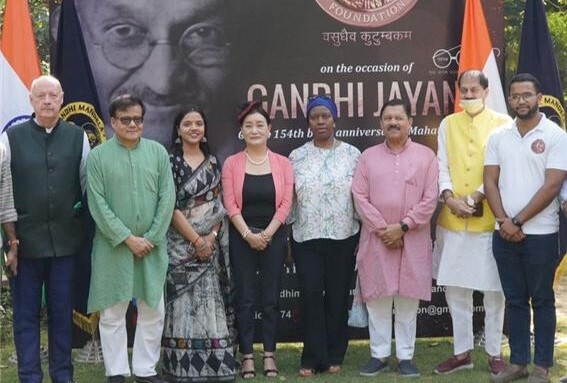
(128, 46)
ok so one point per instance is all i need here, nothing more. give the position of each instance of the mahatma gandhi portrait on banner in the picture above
(169, 53)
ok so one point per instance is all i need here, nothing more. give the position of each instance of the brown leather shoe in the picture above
(539, 375)
(510, 373)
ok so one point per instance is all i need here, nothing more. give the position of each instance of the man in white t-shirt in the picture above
(525, 166)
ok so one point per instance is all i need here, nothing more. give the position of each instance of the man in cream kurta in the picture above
(395, 194)
(131, 198)
(462, 259)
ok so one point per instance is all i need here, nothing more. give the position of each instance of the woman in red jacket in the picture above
(257, 190)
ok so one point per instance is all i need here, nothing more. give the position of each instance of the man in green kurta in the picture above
(131, 198)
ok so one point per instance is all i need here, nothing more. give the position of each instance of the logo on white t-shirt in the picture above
(538, 146)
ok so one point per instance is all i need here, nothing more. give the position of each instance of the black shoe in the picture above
(116, 379)
(150, 379)
(407, 369)
(374, 367)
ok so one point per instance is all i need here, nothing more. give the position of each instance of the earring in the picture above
(178, 140)
(269, 134)
(204, 139)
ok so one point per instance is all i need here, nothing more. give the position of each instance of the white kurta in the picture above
(464, 259)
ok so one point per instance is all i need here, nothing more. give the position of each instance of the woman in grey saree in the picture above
(198, 340)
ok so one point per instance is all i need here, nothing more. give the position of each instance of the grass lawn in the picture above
(429, 352)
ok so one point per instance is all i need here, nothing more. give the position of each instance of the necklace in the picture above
(333, 145)
(256, 162)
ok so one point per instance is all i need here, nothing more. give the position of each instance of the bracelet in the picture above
(194, 243)
(246, 232)
(446, 194)
(215, 233)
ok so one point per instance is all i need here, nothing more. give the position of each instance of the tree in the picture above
(556, 19)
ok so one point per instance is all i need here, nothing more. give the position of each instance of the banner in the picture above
(477, 52)
(71, 66)
(220, 53)
(19, 64)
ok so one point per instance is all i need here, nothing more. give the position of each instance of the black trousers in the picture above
(246, 263)
(325, 270)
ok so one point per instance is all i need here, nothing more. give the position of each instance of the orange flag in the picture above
(19, 63)
(477, 53)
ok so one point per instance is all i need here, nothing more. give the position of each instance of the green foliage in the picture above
(429, 353)
(5, 315)
(557, 21)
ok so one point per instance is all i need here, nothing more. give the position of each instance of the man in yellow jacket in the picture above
(463, 260)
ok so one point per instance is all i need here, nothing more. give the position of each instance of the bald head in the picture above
(46, 98)
(45, 79)
(473, 75)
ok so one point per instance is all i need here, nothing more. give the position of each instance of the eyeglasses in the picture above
(128, 46)
(128, 120)
(524, 96)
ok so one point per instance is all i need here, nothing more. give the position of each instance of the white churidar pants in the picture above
(380, 326)
(147, 339)
(460, 302)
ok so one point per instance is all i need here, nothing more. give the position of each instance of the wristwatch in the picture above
(404, 226)
(516, 222)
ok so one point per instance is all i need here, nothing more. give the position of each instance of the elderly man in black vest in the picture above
(47, 157)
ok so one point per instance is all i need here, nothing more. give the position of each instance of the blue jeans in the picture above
(526, 271)
(57, 275)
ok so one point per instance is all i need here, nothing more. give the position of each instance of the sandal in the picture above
(306, 372)
(247, 374)
(270, 372)
(334, 369)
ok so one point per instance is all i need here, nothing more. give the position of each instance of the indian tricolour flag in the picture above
(477, 53)
(19, 64)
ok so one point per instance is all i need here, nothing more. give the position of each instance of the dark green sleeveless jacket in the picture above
(47, 189)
